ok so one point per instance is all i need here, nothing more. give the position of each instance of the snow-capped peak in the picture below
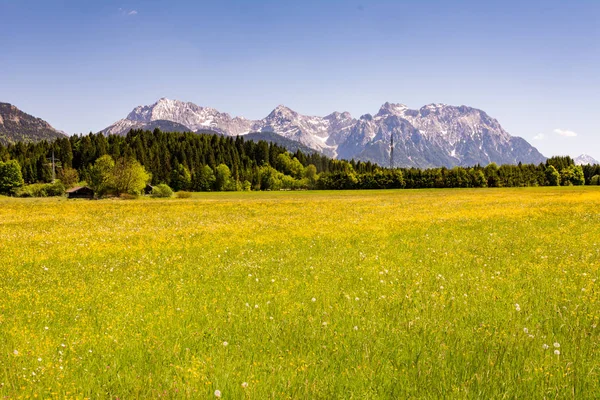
(392, 109)
(585, 159)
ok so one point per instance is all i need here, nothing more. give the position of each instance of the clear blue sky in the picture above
(533, 65)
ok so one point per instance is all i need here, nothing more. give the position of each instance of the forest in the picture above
(204, 162)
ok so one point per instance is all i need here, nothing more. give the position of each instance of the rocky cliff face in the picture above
(17, 126)
(432, 136)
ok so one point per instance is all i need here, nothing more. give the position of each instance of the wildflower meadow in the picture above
(473, 293)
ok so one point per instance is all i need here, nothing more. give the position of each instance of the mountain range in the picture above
(17, 126)
(432, 136)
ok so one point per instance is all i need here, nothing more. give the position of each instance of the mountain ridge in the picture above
(432, 136)
(18, 126)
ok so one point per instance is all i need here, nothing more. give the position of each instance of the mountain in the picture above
(284, 142)
(17, 126)
(585, 159)
(432, 136)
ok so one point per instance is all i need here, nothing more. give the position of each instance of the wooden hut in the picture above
(80, 192)
(148, 189)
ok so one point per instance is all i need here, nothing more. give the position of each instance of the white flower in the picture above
(225, 344)
(16, 352)
(557, 345)
(525, 330)
(217, 393)
(324, 323)
(557, 352)
(40, 359)
(517, 307)
(313, 299)
(90, 350)
(531, 336)
(356, 328)
(244, 385)
(356, 298)
(46, 328)
(545, 346)
(256, 306)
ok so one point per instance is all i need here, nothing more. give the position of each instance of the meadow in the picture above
(482, 293)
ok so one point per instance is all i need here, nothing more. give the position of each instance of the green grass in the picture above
(415, 295)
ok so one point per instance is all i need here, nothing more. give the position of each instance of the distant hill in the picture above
(271, 137)
(17, 126)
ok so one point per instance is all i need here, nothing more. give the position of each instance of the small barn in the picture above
(148, 189)
(80, 192)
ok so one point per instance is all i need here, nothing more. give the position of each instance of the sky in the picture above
(533, 65)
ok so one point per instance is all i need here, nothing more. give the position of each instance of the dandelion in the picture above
(256, 306)
(225, 344)
(517, 307)
(557, 352)
(545, 346)
(557, 345)
(217, 393)
(244, 385)
(313, 299)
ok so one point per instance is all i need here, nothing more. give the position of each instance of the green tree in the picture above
(204, 179)
(68, 176)
(578, 176)
(222, 177)
(310, 173)
(101, 175)
(129, 176)
(181, 179)
(552, 176)
(10, 176)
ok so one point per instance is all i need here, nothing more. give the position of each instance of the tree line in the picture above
(204, 162)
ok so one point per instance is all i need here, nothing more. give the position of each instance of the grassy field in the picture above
(356, 295)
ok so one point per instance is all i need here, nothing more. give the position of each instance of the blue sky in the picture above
(533, 65)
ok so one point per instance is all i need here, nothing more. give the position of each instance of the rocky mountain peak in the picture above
(283, 112)
(392, 109)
